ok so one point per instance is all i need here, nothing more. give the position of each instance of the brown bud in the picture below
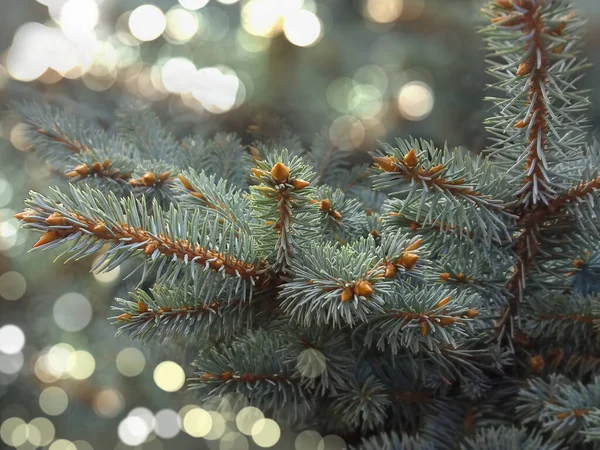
(99, 229)
(142, 307)
(150, 248)
(217, 264)
(507, 4)
(436, 169)
(149, 178)
(25, 216)
(471, 313)
(164, 309)
(71, 174)
(461, 277)
(198, 195)
(578, 263)
(336, 215)
(164, 176)
(424, 328)
(521, 124)
(124, 317)
(56, 219)
(375, 233)
(410, 159)
(96, 167)
(387, 163)
(363, 288)
(390, 271)
(300, 184)
(446, 321)
(106, 163)
(257, 172)
(562, 415)
(82, 169)
(347, 295)
(186, 183)
(325, 205)
(444, 276)
(226, 376)
(415, 245)
(409, 260)
(47, 237)
(280, 173)
(414, 226)
(524, 69)
(442, 302)
(537, 364)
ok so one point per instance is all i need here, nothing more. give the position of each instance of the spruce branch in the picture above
(166, 314)
(251, 365)
(201, 252)
(281, 206)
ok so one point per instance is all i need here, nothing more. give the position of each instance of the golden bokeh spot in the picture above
(197, 422)
(169, 376)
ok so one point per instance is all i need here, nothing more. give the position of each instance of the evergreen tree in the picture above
(448, 301)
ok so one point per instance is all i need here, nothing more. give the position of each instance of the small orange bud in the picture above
(300, 184)
(82, 169)
(280, 173)
(444, 276)
(578, 263)
(409, 260)
(387, 163)
(149, 178)
(562, 415)
(150, 248)
(100, 229)
(436, 169)
(106, 163)
(164, 176)
(413, 226)
(410, 159)
(217, 264)
(257, 173)
(25, 216)
(56, 219)
(336, 215)
(363, 288)
(424, 328)
(375, 233)
(521, 124)
(47, 237)
(124, 317)
(415, 245)
(186, 183)
(226, 376)
(537, 364)
(442, 302)
(71, 174)
(347, 295)
(504, 3)
(461, 277)
(142, 307)
(524, 69)
(390, 271)
(471, 313)
(165, 309)
(446, 321)
(96, 167)
(325, 205)
(198, 195)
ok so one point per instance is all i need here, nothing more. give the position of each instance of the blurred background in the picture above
(362, 70)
